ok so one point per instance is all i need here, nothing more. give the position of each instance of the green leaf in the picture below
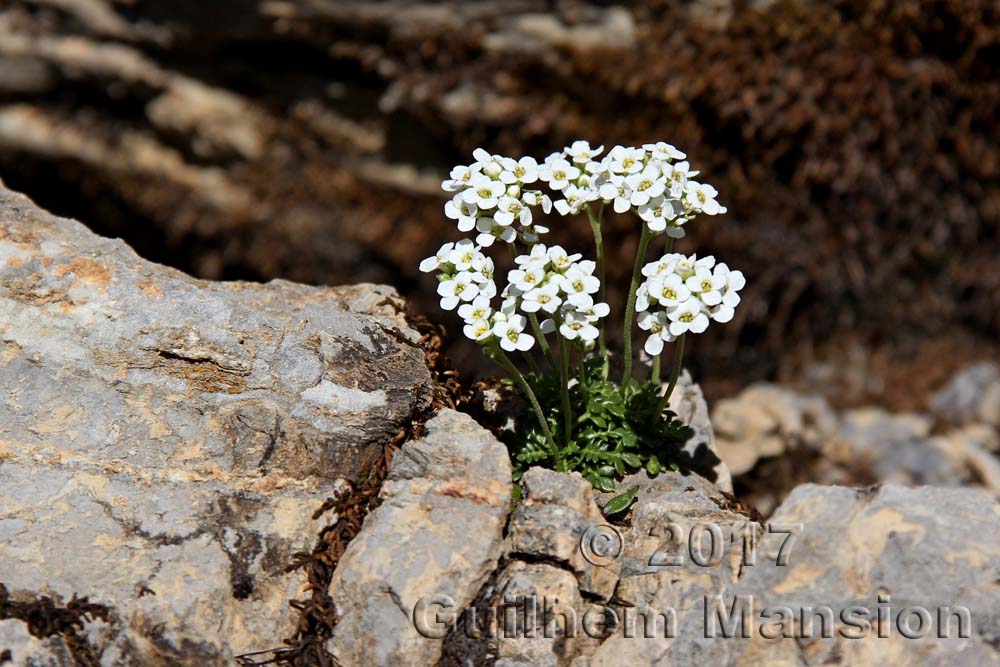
(621, 502)
(653, 466)
(605, 484)
(632, 460)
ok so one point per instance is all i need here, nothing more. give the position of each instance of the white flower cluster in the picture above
(681, 294)
(491, 198)
(550, 283)
(547, 283)
(653, 180)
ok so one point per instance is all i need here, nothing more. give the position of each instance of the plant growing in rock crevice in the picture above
(552, 311)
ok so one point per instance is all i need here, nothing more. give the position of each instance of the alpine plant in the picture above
(550, 307)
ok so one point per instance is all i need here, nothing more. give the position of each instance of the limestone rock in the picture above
(973, 395)
(926, 547)
(25, 650)
(701, 451)
(431, 544)
(164, 441)
(765, 421)
(557, 511)
(543, 615)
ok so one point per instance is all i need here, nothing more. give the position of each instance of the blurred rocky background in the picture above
(854, 143)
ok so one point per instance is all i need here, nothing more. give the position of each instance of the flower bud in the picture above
(492, 169)
(514, 190)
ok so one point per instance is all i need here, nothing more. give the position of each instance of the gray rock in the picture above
(117, 358)
(701, 452)
(973, 395)
(765, 421)
(926, 547)
(543, 619)
(557, 511)
(164, 441)
(29, 651)
(433, 541)
(682, 545)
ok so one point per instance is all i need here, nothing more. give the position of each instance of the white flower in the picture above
(707, 285)
(595, 311)
(663, 265)
(669, 290)
(510, 209)
(730, 299)
(559, 258)
(492, 165)
(582, 153)
(623, 160)
(688, 316)
(489, 231)
(479, 309)
(511, 334)
(642, 298)
(527, 278)
(617, 190)
(539, 254)
(459, 288)
(478, 330)
(463, 211)
(523, 171)
(574, 199)
(658, 212)
(557, 172)
(576, 326)
(483, 192)
(460, 177)
(575, 282)
(678, 175)
(701, 197)
(664, 151)
(464, 254)
(482, 267)
(442, 256)
(544, 298)
(644, 185)
(658, 327)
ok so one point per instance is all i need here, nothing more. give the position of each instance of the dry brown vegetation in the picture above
(855, 143)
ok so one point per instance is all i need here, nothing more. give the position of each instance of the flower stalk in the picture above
(640, 257)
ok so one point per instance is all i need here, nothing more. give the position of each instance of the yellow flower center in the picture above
(706, 285)
(645, 185)
(669, 293)
(628, 162)
(686, 317)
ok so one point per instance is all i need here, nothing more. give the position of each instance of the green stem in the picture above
(595, 226)
(674, 374)
(564, 388)
(504, 361)
(654, 375)
(640, 257)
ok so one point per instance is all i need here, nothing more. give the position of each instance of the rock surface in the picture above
(164, 441)
(429, 546)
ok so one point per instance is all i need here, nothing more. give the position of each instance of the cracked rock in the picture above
(164, 441)
(426, 550)
(549, 524)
